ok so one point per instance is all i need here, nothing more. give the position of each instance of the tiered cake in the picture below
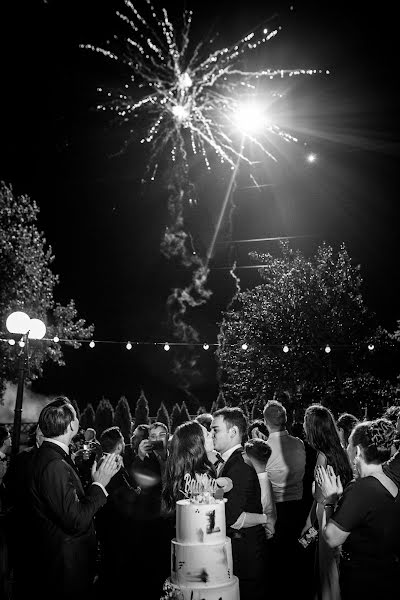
(201, 561)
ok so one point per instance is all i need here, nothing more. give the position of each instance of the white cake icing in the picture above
(201, 566)
(201, 554)
(227, 591)
(200, 523)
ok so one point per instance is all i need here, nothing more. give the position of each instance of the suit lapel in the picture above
(233, 458)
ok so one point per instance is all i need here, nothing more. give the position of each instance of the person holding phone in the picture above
(147, 471)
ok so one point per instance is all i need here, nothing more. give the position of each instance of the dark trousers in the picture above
(291, 564)
(249, 550)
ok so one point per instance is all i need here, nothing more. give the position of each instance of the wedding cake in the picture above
(201, 554)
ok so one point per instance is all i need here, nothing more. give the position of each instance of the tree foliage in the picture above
(87, 417)
(175, 417)
(123, 418)
(28, 283)
(221, 402)
(163, 416)
(184, 416)
(142, 410)
(305, 304)
(104, 416)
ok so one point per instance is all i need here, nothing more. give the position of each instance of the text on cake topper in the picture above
(200, 484)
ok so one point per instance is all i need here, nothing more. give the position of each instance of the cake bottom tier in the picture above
(227, 591)
(201, 565)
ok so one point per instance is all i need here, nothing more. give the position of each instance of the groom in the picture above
(248, 544)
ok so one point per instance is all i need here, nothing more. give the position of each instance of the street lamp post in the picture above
(20, 323)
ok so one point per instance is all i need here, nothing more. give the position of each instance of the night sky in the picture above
(105, 226)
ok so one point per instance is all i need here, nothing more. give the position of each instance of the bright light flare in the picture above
(249, 119)
(311, 158)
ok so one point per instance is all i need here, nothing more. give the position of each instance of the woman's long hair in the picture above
(323, 436)
(187, 454)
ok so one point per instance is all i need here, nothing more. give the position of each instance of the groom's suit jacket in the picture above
(248, 545)
(62, 530)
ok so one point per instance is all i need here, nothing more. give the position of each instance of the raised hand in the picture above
(328, 483)
(106, 469)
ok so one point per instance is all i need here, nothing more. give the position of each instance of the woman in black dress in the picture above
(367, 520)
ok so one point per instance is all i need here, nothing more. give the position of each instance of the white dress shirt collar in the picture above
(53, 441)
(229, 452)
(278, 433)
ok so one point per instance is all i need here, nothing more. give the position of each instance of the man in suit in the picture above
(115, 524)
(244, 502)
(61, 534)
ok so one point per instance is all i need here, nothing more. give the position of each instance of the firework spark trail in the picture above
(189, 101)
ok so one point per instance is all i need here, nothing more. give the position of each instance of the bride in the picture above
(189, 451)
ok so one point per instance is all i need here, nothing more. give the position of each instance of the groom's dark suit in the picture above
(62, 531)
(248, 545)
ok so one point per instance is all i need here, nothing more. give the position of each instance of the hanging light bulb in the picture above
(327, 348)
(166, 347)
(244, 346)
(56, 339)
(11, 342)
(206, 346)
(21, 343)
(92, 344)
(371, 347)
(129, 346)
(285, 348)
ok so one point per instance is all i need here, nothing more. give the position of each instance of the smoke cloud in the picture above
(31, 407)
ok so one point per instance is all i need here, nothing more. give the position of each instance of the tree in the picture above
(76, 407)
(28, 283)
(184, 417)
(201, 410)
(104, 416)
(304, 304)
(220, 400)
(87, 417)
(123, 418)
(213, 407)
(163, 416)
(256, 411)
(142, 410)
(175, 417)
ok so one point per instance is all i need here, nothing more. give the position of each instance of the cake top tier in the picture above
(200, 489)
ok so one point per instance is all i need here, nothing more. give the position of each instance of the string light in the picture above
(168, 345)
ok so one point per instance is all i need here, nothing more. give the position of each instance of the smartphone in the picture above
(157, 445)
(309, 536)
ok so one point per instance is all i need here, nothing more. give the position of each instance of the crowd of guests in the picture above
(312, 510)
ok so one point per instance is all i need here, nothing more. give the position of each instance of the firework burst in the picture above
(195, 102)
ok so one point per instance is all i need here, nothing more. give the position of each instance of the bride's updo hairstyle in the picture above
(375, 438)
(187, 454)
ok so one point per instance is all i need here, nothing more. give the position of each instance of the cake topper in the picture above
(200, 489)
